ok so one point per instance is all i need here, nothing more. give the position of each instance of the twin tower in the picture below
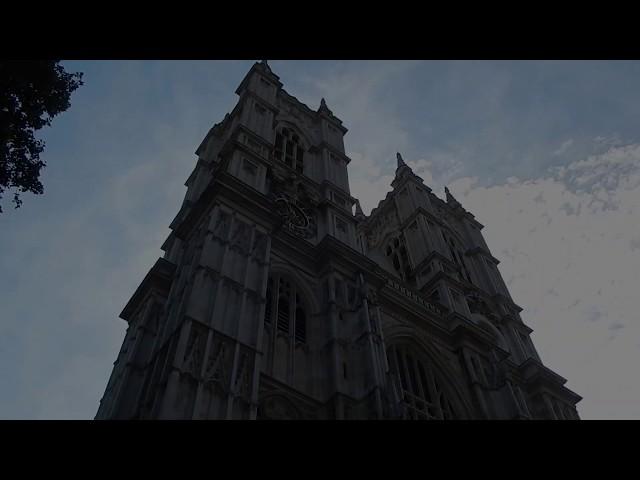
(277, 298)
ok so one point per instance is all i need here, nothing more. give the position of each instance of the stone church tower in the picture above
(277, 298)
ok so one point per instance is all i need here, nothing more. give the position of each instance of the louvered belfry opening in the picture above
(285, 308)
(423, 396)
(289, 149)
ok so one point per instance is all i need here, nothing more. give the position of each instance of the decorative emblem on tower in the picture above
(294, 203)
(295, 217)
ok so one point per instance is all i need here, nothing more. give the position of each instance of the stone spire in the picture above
(359, 213)
(324, 108)
(450, 198)
(404, 171)
(402, 167)
(265, 65)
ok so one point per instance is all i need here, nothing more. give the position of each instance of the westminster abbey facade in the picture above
(277, 298)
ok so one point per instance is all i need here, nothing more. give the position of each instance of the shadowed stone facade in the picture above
(277, 298)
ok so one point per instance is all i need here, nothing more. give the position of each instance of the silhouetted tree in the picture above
(31, 94)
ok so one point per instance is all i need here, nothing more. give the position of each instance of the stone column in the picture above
(259, 338)
(372, 353)
(333, 349)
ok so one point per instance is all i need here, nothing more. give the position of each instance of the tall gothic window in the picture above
(456, 255)
(289, 149)
(397, 253)
(285, 309)
(423, 396)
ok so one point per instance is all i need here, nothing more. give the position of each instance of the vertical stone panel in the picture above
(198, 303)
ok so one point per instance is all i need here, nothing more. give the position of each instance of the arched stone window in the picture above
(422, 391)
(284, 308)
(289, 149)
(397, 253)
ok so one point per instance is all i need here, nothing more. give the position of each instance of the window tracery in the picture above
(422, 394)
(285, 309)
(397, 253)
(289, 149)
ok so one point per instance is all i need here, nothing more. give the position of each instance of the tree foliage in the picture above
(31, 94)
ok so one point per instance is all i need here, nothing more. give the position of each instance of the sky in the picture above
(545, 154)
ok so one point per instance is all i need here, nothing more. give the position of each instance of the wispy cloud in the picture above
(564, 147)
(573, 267)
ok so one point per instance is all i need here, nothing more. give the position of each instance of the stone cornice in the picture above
(233, 189)
(261, 100)
(538, 378)
(464, 287)
(332, 250)
(478, 250)
(271, 386)
(413, 296)
(326, 184)
(434, 254)
(467, 333)
(254, 136)
(334, 150)
(501, 299)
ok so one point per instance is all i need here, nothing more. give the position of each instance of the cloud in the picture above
(566, 242)
(564, 147)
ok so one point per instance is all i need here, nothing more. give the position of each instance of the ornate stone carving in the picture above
(294, 203)
(295, 217)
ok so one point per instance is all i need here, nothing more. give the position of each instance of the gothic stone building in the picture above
(274, 300)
